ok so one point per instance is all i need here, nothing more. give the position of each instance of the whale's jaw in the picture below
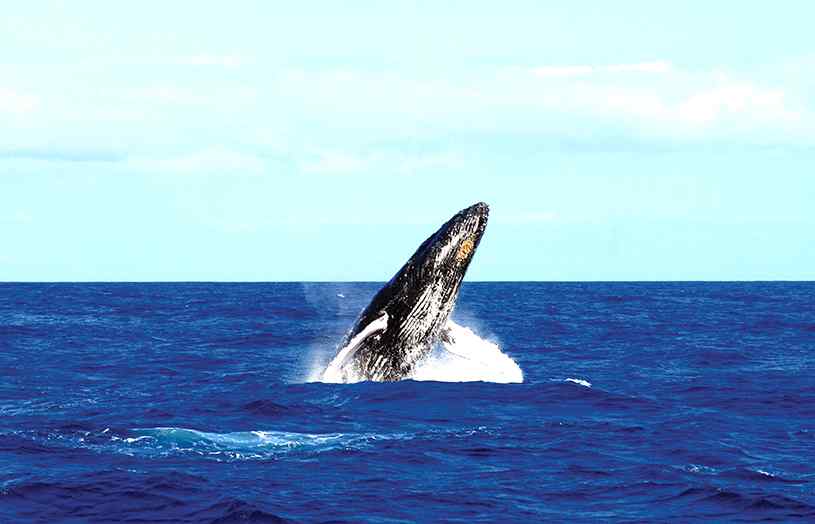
(406, 317)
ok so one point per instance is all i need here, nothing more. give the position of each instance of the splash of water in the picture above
(462, 357)
(466, 357)
(184, 438)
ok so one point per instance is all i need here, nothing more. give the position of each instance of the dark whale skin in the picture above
(407, 316)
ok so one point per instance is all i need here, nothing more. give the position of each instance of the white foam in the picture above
(579, 381)
(239, 440)
(241, 445)
(466, 357)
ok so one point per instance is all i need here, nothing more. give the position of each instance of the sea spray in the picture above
(465, 357)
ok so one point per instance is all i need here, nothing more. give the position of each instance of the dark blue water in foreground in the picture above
(186, 403)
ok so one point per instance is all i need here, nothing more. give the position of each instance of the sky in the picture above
(258, 141)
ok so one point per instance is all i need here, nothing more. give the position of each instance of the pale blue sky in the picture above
(613, 140)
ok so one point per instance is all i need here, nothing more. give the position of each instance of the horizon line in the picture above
(591, 281)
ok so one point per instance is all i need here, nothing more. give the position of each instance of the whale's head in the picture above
(406, 316)
(445, 256)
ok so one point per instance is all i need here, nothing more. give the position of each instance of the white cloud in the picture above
(18, 217)
(562, 71)
(585, 70)
(382, 162)
(736, 98)
(213, 60)
(21, 217)
(173, 95)
(329, 120)
(529, 217)
(335, 162)
(210, 161)
(676, 103)
(14, 102)
(409, 164)
(642, 99)
(223, 99)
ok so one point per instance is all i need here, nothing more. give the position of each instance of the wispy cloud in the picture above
(654, 99)
(61, 154)
(528, 217)
(219, 60)
(673, 102)
(686, 114)
(335, 162)
(660, 66)
(329, 117)
(175, 95)
(215, 161)
(733, 99)
(17, 217)
(22, 217)
(382, 162)
(16, 102)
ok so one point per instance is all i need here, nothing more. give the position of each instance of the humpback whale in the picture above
(408, 315)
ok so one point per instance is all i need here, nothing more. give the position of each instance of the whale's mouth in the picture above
(475, 216)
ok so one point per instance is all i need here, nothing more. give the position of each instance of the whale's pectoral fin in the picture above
(375, 327)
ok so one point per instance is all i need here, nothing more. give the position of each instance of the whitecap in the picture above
(466, 357)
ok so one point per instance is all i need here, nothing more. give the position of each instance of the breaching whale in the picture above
(408, 315)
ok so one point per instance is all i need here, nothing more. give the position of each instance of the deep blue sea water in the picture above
(688, 402)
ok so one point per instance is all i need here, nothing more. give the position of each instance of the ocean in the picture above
(558, 402)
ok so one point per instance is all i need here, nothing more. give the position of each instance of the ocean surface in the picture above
(558, 402)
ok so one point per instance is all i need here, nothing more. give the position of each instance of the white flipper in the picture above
(333, 373)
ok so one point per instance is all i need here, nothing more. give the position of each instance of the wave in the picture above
(128, 495)
(239, 445)
(746, 501)
(178, 441)
(162, 442)
(182, 437)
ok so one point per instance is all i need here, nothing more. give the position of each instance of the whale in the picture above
(408, 315)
